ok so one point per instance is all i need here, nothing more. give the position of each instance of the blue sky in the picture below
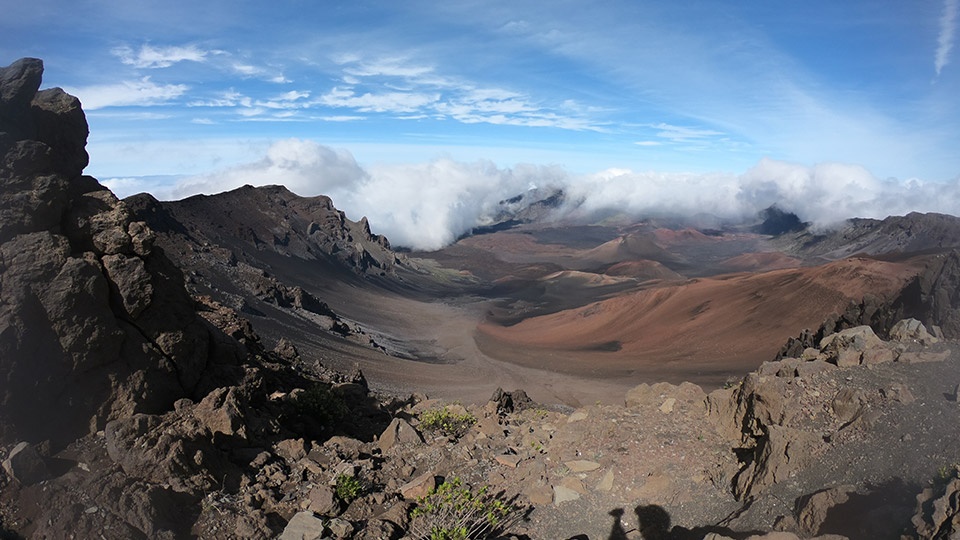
(698, 87)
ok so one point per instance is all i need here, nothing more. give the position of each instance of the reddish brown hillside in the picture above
(643, 270)
(698, 330)
(758, 262)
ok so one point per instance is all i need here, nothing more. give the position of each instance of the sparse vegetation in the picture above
(320, 404)
(348, 488)
(445, 421)
(946, 473)
(452, 511)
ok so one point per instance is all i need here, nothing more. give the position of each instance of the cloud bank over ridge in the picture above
(428, 205)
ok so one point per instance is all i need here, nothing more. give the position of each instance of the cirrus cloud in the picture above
(150, 57)
(141, 93)
(948, 26)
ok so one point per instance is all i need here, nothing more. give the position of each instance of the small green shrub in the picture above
(320, 404)
(348, 488)
(946, 473)
(447, 422)
(452, 511)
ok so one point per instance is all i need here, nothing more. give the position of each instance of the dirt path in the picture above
(441, 336)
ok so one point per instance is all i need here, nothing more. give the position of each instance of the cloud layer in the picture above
(428, 205)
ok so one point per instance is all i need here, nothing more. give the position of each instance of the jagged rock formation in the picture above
(94, 322)
(938, 509)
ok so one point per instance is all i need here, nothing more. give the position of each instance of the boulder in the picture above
(398, 432)
(291, 450)
(911, 331)
(806, 370)
(508, 402)
(846, 347)
(812, 510)
(220, 413)
(938, 511)
(654, 395)
(303, 526)
(847, 405)
(581, 465)
(562, 494)
(419, 486)
(19, 83)
(61, 124)
(25, 465)
(322, 501)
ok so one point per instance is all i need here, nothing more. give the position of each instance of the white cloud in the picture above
(516, 27)
(288, 100)
(143, 92)
(396, 102)
(423, 205)
(372, 86)
(683, 133)
(823, 194)
(251, 111)
(292, 95)
(304, 167)
(387, 67)
(429, 205)
(948, 27)
(248, 70)
(340, 118)
(230, 98)
(151, 57)
(265, 73)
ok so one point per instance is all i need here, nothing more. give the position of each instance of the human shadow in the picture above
(654, 524)
(616, 531)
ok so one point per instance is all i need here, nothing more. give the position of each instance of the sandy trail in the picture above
(450, 364)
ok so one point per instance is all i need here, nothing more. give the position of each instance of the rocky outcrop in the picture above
(777, 418)
(94, 321)
(932, 297)
(938, 510)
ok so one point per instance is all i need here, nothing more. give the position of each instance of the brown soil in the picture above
(702, 331)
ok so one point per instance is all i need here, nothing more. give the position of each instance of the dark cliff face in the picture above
(95, 322)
